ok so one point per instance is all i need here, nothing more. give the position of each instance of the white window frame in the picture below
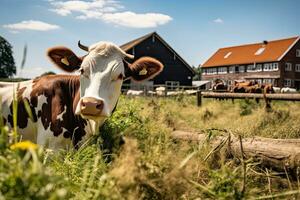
(232, 69)
(297, 67)
(266, 66)
(222, 70)
(288, 67)
(287, 82)
(298, 53)
(212, 71)
(275, 67)
(250, 68)
(241, 68)
(258, 68)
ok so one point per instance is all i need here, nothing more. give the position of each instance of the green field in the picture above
(151, 165)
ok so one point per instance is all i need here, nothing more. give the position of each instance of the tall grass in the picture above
(151, 165)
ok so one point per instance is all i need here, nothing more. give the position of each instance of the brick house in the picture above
(276, 62)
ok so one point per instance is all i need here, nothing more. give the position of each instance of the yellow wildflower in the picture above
(25, 145)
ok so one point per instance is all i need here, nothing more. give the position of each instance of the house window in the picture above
(250, 68)
(287, 82)
(298, 53)
(266, 67)
(275, 66)
(212, 71)
(204, 71)
(241, 68)
(297, 68)
(222, 70)
(172, 85)
(232, 69)
(258, 67)
(288, 67)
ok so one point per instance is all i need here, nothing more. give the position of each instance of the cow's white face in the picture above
(102, 72)
(101, 76)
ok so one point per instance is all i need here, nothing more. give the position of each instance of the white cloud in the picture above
(30, 25)
(219, 21)
(108, 11)
(134, 20)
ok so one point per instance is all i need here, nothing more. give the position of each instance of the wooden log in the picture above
(278, 154)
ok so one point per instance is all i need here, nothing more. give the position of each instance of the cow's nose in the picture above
(91, 106)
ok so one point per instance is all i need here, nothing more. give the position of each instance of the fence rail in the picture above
(283, 97)
(267, 97)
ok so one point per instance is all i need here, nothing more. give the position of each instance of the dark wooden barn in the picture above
(176, 70)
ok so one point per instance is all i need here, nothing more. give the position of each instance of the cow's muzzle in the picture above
(90, 106)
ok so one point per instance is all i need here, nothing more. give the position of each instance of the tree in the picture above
(197, 76)
(7, 63)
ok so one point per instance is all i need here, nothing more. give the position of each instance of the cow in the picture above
(68, 109)
(288, 90)
(134, 92)
(219, 85)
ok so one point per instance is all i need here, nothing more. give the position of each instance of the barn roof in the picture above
(267, 51)
(129, 45)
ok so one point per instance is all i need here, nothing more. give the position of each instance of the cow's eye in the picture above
(81, 71)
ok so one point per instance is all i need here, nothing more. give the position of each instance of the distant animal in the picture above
(288, 90)
(276, 89)
(160, 91)
(134, 92)
(68, 109)
(252, 87)
(219, 85)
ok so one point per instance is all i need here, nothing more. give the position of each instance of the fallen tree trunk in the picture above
(278, 154)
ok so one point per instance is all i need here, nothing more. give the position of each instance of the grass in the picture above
(150, 165)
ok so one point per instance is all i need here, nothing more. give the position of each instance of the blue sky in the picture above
(194, 28)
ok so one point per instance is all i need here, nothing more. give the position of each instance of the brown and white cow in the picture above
(67, 109)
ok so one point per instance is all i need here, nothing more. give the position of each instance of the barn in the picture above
(177, 72)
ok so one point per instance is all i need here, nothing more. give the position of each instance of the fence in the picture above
(146, 88)
(266, 97)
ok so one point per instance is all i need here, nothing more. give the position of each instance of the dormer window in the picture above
(260, 51)
(228, 54)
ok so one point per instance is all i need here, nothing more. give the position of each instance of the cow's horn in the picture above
(129, 56)
(85, 48)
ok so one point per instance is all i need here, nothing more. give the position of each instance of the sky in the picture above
(194, 28)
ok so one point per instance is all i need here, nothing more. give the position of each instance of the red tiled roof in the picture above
(245, 54)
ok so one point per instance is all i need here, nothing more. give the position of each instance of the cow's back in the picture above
(51, 100)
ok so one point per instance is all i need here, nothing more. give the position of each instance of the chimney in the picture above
(265, 42)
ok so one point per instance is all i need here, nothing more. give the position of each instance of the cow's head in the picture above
(102, 72)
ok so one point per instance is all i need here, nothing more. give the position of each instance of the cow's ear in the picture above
(143, 69)
(64, 58)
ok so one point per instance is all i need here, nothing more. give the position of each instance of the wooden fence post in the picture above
(199, 98)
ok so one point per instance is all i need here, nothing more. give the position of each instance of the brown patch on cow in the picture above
(61, 91)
